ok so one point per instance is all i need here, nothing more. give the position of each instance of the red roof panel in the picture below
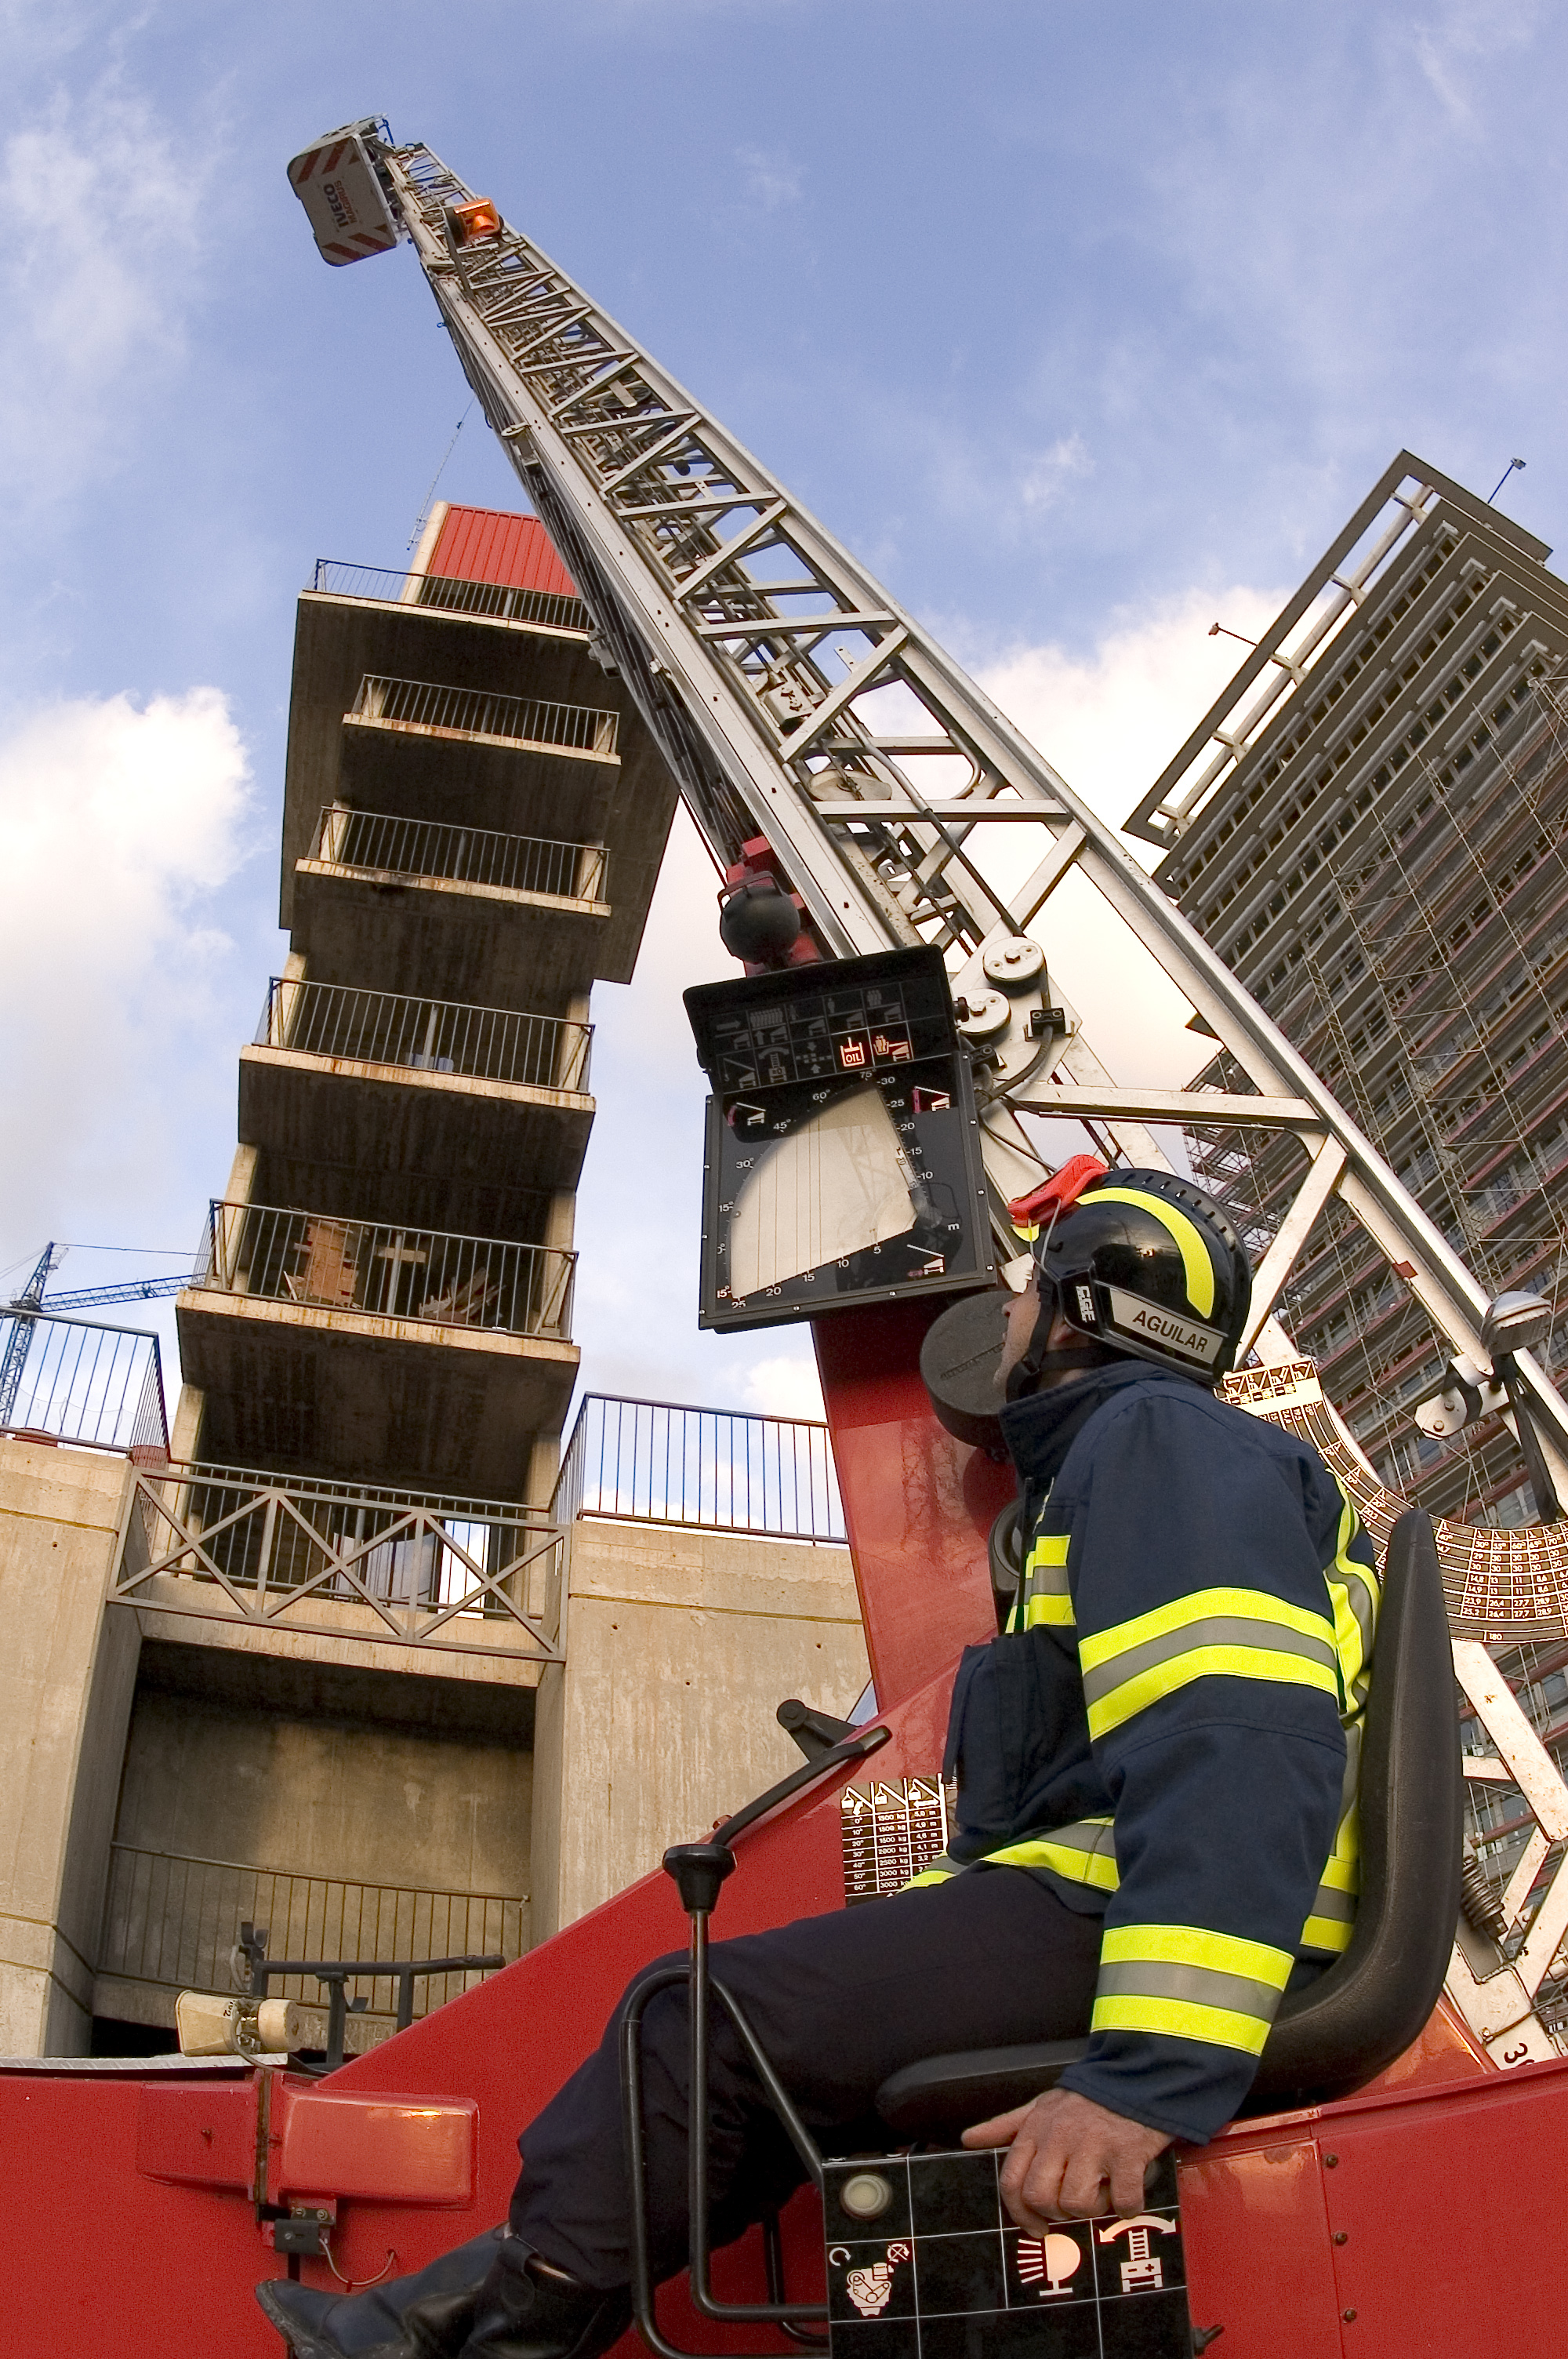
(489, 545)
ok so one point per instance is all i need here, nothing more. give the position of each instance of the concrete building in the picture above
(338, 1671)
(1368, 826)
(473, 821)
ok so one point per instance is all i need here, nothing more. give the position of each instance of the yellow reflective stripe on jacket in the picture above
(1183, 1980)
(1195, 1946)
(1043, 1596)
(1183, 2019)
(1219, 1632)
(1083, 1852)
(1212, 1633)
(936, 1871)
(1332, 1918)
(1354, 1594)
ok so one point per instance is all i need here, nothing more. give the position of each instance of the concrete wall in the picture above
(391, 1784)
(67, 1675)
(346, 1800)
(680, 1645)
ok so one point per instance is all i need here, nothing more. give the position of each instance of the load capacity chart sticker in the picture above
(842, 1148)
(924, 2263)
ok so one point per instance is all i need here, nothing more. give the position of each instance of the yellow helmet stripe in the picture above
(1195, 1253)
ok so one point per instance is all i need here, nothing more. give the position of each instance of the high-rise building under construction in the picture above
(1368, 827)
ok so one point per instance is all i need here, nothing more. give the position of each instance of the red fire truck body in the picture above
(1381, 2224)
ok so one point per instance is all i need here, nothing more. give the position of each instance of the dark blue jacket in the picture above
(1161, 1730)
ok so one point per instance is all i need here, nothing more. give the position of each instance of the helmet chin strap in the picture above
(1027, 1373)
(1039, 1361)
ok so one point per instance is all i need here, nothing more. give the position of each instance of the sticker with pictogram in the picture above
(924, 2261)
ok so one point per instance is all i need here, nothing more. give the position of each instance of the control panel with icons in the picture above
(842, 1160)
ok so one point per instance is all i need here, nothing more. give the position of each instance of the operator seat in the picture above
(1367, 2008)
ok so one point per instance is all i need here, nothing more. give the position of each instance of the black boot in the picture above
(427, 2315)
(526, 2312)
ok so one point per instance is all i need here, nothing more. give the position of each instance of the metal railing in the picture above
(496, 599)
(176, 1922)
(462, 856)
(716, 1470)
(432, 1036)
(480, 712)
(218, 1543)
(328, 1263)
(77, 1381)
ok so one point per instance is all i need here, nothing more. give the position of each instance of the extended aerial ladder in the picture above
(824, 741)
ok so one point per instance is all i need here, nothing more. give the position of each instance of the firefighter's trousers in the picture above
(989, 1958)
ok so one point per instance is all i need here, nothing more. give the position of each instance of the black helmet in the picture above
(1146, 1264)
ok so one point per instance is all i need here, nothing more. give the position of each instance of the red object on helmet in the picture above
(1058, 1193)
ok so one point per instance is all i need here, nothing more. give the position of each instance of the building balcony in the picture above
(171, 1923)
(481, 715)
(472, 912)
(331, 1345)
(447, 754)
(398, 1577)
(601, 780)
(378, 1082)
(1497, 1204)
(80, 1382)
(492, 601)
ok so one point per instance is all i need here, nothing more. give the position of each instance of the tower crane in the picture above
(13, 1360)
(130, 1290)
(87, 1298)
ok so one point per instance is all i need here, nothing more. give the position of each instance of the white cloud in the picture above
(1045, 478)
(786, 1385)
(102, 217)
(1451, 46)
(117, 825)
(773, 179)
(1109, 721)
(985, 484)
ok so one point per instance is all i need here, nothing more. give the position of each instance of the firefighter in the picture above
(1156, 1766)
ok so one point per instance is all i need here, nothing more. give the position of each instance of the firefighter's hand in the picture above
(1069, 2158)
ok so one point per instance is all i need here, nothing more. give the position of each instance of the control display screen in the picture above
(842, 1155)
(862, 1028)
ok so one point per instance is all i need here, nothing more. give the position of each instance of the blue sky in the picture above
(1084, 324)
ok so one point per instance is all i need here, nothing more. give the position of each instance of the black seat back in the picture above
(1371, 2004)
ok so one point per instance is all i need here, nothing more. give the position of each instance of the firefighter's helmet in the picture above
(1146, 1264)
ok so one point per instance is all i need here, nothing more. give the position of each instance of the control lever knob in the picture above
(698, 1869)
